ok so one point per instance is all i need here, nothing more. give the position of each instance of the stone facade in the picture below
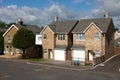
(104, 44)
(8, 48)
(48, 42)
(52, 41)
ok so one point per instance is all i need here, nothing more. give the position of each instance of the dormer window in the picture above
(61, 37)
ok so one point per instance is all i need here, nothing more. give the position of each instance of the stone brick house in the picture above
(57, 39)
(9, 34)
(72, 39)
(93, 37)
(117, 41)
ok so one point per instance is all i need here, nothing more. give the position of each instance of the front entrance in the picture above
(90, 55)
(50, 56)
(11, 50)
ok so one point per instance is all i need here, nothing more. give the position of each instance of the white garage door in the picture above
(59, 55)
(78, 55)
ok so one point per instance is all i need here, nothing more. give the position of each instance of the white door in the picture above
(51, 55)
(90, 57)
(78, 55)
(59, 55)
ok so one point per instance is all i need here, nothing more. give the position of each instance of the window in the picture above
(96, 36)
(45, 50)
(44, 36)
(80, 37)
(17, 51)
(118, 43)
(9, 38)
(61, 37)
(39, 38)
(97, 53)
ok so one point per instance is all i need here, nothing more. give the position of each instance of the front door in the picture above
(50, 54)
(11, 50)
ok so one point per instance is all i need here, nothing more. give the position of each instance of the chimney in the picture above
(20, 22)
(56, 18)
(106, 14)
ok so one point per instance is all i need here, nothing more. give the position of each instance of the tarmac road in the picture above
(13, 70)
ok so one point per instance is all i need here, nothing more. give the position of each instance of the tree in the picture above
(8, 25)
(1, 41)
(2, 24)
(23, 39)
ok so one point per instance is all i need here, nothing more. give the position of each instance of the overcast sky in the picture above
(42, 12)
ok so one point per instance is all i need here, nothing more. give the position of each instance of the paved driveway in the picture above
(111, 66)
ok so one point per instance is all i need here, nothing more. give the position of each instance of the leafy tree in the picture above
(23, 39)
(2, 24)
(1, 41)
(8, 25)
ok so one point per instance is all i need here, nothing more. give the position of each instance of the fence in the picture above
(98, 60)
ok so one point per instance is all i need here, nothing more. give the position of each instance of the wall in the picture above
(6, 43)
(49, 42)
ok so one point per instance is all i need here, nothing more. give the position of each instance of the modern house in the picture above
(93, 38)
(9, 34)
(83, 40)
(57, 39)
(117, 41)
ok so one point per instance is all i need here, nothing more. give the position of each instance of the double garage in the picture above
(76, 55)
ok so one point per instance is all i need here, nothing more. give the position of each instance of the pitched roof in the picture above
(63, 26)
(101, 23)
(34, 28)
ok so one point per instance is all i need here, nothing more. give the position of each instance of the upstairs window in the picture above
(96, 36)
(80, 37)
(39, 38)
(61, 37)
(44, 36)
(9, 38)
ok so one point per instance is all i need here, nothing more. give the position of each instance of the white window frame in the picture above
(80, 36)
(9, 38)
(96, 36)
(44, 36)
(61, 36)
(97, 53)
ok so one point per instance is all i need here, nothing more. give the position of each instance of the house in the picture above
(9, 34)
(117, 38)
(82, 40)
(93, 38)
(117, 41)
(57, 39)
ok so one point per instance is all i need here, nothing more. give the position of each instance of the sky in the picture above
(42, 12)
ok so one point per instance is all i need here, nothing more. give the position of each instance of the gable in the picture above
(92, 24)
(46, 27)
(13, 26)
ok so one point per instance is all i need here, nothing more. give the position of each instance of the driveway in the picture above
(111, 66)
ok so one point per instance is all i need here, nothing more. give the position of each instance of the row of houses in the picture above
(82, 40)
